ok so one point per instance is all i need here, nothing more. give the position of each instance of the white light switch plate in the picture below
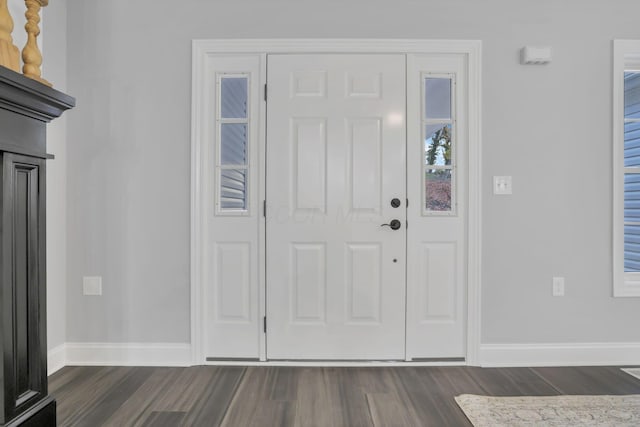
(502, 185)
(92, 285)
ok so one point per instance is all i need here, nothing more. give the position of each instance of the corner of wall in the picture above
(56, 359)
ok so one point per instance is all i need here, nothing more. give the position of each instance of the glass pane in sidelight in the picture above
(233, 147)
(438, 189)
(632, 197)
(233, 97)
(437, 145)
(631, 144)
(631, 95)
(437, 95)
(632, 248)
(233, 189)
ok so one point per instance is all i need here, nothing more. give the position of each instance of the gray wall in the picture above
(17, 10)
(54, 48)
(548, 126)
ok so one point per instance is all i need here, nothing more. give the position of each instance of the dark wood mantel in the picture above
(26, 106)
(33, 105)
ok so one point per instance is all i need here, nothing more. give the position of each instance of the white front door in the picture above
(336, 159)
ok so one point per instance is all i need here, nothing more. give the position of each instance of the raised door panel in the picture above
(233, 283)
(23, 291)
(365, 169)
(437, 285)
(308, 283)
(363, 283)
(309, 168)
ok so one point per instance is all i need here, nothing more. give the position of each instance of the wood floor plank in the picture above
(370, 380)
(387, 410)
(115, 397)
(282, 383)
(67, 375)
(211, 407)
(74, 403)
(352, 399)
(590, 380)
(447, 381)
(513, 382)
(273, 413)
(267, 396)
(429, 394)
(135, 410)
(251, 393)
(67, 380)
(317, 403)
(164, 419)
(185, 390)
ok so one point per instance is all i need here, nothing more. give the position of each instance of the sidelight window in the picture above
(439, 145)
(232, 129)
(626, 168)
(631, 172)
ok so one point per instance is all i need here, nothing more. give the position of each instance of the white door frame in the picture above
(202, 49)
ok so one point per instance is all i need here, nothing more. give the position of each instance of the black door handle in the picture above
(395, 224)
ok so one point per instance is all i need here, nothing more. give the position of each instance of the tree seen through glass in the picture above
(438, 179)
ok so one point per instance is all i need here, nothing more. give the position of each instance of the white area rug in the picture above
(565, 411)
(633, 371)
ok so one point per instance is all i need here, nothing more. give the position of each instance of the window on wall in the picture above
(631, 172)
(232, 128)
(439, 190)
(626, 168)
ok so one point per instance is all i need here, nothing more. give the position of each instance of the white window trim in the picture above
(626, 56)
(203, 49)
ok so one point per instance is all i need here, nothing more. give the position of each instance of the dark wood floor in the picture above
(281, 396)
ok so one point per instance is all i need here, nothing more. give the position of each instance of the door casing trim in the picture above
(202, 49)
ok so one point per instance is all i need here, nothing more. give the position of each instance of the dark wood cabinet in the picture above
(26, 107)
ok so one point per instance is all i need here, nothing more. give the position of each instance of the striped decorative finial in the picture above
(31, 55)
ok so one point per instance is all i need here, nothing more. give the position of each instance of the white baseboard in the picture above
(119, 354)
(56, 358)
(491, 355)
(562, 354)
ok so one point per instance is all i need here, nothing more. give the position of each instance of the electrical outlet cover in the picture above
(502, 185)
(92, 285)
